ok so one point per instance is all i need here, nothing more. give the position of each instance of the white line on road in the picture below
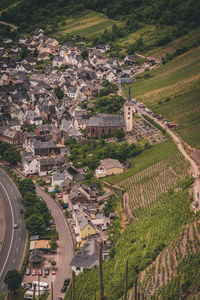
(12, 230)
(13, 259)
(17, 249)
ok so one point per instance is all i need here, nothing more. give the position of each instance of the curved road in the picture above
(15, 239)
(66, 248)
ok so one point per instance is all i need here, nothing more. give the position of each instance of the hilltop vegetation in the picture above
(173, 90)
(72, 17)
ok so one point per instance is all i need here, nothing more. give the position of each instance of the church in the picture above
(106, 124)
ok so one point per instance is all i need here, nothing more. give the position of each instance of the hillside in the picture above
(173, 90)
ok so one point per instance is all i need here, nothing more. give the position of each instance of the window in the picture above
(129, 113)
(129, 108)
(78, 268)
(128, 118)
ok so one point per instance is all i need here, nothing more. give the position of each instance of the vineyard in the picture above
(165, 266)
(145, 187)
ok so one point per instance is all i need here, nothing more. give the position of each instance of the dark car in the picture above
(59, 298)
(21, 211)
(64, 288)
(46, 272)
(66, 281)
(29, 286)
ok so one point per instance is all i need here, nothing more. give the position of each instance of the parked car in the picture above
(64, 288)
(23, 285)
(39, 272)
(15, 226)
(21, 211)
(34, 272)
(28, 272)
(46, 272)
(53, 272)
(29, 286)
(66, 281)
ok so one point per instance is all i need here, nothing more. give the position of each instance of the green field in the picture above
(179, 80)
(89, 24)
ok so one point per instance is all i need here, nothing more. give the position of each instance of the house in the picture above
(33, 118)
(108, 166)
(43, 148)
(7, 40)
(85, 226)
(30, 163)
(12, 137)
(88, 258)
(47, 165)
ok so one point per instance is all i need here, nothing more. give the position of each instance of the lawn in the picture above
(179, 80)
(89, 24)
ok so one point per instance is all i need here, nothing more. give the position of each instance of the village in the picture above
(42, 88)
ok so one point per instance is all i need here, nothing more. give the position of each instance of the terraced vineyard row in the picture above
(164, 267)
(146, 186)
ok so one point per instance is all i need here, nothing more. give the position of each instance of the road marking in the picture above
(13, 259)
(19, 239)
(17, 249)
(12, 229)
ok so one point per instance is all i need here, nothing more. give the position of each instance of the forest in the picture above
(182, 16)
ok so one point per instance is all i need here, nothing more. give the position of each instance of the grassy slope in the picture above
(89, 24)
(179, 80)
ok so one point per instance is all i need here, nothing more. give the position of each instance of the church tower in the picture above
(128, 112)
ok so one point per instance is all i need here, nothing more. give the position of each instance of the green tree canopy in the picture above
(84, 54)
(26, 185)
(35, 224)
(58, 91)
(119, 133)
(13, 279)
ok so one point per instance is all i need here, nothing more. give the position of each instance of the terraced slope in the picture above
(164, 267)
(145, 187)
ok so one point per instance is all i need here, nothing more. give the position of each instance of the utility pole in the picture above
(126, 281)
(51, 290)
(73, 285)
(34, 288)
(101, 272)
(136, 289)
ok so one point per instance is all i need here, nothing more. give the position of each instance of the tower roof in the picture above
(128, 97)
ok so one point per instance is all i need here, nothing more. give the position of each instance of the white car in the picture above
(15, 226)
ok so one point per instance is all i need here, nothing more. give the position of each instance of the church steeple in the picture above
(128, 97)
(128, 111)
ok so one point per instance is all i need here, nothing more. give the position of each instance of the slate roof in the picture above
(85, 261)
(104, 120)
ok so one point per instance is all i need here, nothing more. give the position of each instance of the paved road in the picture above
(15, 239)
(14, 27)
(194, 166)
(66, 249)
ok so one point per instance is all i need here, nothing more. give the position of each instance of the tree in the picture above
(26, 185)
(53, 245)
(13, 279)
(119, 133)
(35, 224)
(59, 92)
(12, 156)
(84, 54)
(3, 147)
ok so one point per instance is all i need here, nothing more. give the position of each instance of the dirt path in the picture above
(13, 27)
(193, 164)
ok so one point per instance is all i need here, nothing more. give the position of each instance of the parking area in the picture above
(43, 272)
